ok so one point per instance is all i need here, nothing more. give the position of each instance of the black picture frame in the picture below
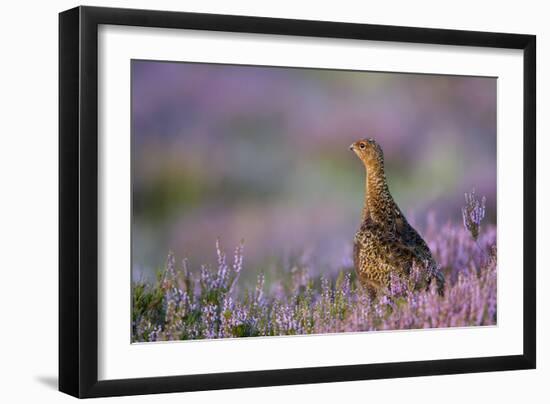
(78, 200)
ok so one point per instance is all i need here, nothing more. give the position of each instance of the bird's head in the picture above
(368, 151)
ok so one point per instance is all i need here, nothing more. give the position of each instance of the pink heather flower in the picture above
(473, 213)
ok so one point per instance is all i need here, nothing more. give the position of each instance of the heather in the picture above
(183, 303)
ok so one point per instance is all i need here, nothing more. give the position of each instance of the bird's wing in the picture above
(409, 237)
(389, 251)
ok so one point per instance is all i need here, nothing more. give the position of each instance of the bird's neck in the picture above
(377, 195)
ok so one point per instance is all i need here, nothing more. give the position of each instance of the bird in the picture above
(385, 243)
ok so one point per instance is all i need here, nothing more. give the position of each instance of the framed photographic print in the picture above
(251, 201)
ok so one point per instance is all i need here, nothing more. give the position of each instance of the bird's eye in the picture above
(362, 145)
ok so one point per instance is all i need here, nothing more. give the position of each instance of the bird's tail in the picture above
(433, 272)
(439, 281)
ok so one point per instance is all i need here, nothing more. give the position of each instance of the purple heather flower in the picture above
(473, 213)
(182, 305)
(210, 321)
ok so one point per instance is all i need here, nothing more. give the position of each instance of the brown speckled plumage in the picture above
(385, 242)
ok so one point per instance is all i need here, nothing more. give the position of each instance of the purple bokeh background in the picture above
(261, 154)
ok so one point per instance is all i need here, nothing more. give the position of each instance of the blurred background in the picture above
(261, 154)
